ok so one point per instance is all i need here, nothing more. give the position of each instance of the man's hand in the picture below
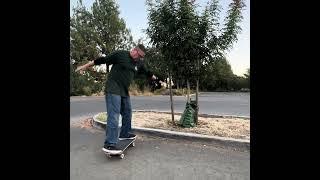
(84, 67)
(153, 77)
(80, 69)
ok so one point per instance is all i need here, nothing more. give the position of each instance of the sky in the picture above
(135, 14)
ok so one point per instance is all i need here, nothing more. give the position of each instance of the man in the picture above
(125, 65)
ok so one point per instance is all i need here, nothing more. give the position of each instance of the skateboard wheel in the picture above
(122, 156)
(133, 144)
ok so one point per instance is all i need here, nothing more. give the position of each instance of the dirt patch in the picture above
(224, 127)
(87, 123)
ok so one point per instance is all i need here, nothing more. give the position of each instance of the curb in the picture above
(237, 144)
(214, 140)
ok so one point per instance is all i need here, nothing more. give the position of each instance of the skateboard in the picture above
(123, 145)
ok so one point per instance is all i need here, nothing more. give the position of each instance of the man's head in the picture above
(138, 52)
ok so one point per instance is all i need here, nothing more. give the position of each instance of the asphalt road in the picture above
(237, 104)
(154, 158)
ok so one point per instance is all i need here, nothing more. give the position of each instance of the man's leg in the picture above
(113, 112)
(126, 113)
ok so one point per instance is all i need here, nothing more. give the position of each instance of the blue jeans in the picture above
(117, 105)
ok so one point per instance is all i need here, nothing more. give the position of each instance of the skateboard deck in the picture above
(123, 145)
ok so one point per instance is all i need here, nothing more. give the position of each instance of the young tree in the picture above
(189, 41)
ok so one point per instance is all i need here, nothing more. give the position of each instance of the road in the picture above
(209, 103)
(154, 158)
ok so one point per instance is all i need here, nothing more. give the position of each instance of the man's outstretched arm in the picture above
(85, 66)
(147, 72)
(101, 60)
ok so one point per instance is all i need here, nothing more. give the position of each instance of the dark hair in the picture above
(141, 46)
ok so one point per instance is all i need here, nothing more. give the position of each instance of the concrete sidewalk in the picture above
(154, 158)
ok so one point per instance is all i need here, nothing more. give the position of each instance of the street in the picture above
(220, 103)
(154, 158)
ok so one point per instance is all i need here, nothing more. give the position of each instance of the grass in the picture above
(102, 117)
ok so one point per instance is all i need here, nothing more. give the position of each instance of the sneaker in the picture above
(130, 136)
(111, 149)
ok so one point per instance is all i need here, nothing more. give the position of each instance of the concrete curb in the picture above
(214, 140)
(239, 144)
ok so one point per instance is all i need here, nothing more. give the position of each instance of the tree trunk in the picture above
(171, 100)
(188, 93)
(197, 101)
(197, 92)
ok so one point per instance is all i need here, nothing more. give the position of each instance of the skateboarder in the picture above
(125, 64)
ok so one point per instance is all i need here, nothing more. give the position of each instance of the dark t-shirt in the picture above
(123, 70)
